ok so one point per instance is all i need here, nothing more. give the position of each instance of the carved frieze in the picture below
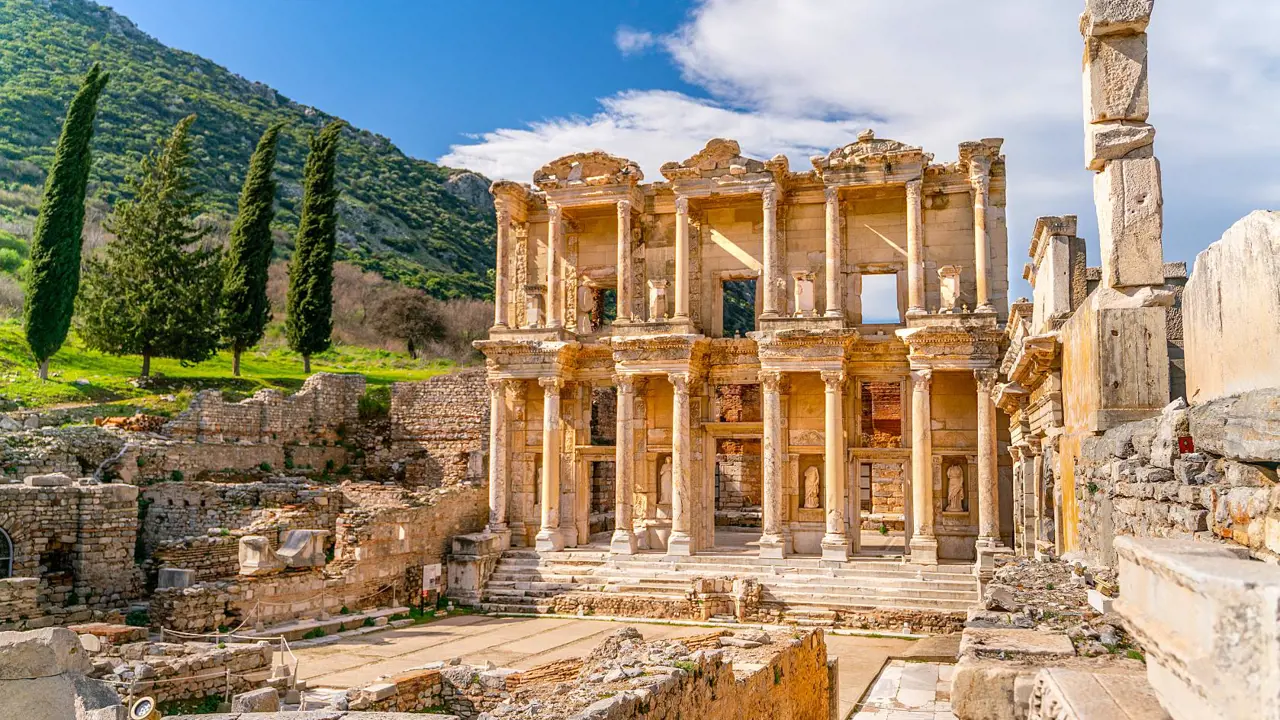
(593, 168)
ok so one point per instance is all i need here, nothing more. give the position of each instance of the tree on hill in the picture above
(156, 290)
(245, 307)
(54, 275)
(310, 307)
(412, 316)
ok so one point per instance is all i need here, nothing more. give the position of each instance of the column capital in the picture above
(554, 210)
(922, 378)
(771, 380)
(680, 381)
(682, 204)
(833, 378)
(981, 182)
(496, 385)
(551, 384)
(769, 196)
(503, 211)
(624, 208)
(914, 189)
(986, 378)
(831, 193)
(624, 382)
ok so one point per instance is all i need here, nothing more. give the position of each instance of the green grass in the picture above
(108, 377)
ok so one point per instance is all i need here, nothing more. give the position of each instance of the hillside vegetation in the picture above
(398, 217)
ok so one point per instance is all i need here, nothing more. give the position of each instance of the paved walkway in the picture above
(909, 691)
(527, 642)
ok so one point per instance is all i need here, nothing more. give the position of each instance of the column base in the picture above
(680, 544)
(549, 540)
(835, 548)
(772, 547)
(623, 542)
(924, 550)
(503, 533)
(987, 309)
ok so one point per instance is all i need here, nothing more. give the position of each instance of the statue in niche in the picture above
(955, 489)
(812, 487)
(949, 287)
(664, 481)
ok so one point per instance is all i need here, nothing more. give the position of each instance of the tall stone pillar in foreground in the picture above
(549, 538)
(835, 543)
(772, 544)
(924, 545)
(498, 459)
(624, 540)
(681, 540)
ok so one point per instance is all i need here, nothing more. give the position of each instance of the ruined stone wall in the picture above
(887, 490)
(439, 428)
(73, 451)
(180, 671)
(199, 608)
(1135, 480)
(739, 474)
(211, 557)
(78, 539)
(325, 402)
(180, 510)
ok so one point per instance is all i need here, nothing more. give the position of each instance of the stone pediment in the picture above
(720, 159)
(587, 169)
(868, 151)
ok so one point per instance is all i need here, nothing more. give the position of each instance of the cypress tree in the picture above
(156, 290)
(310, 306)
(53, 278)
(245, 308)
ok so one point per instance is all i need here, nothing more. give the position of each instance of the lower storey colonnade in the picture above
(658, 461)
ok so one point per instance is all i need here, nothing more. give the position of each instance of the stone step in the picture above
(633, 567)
(538, 576)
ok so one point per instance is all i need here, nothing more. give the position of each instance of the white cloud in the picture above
(630, 42)
(802, 76)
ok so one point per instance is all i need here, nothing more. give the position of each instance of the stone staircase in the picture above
(807, 590)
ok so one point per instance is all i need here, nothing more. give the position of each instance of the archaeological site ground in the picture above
(704, 471)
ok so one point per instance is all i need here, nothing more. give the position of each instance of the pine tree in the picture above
(310, 307)
(53, 278)
(245, 308)
(156, 291)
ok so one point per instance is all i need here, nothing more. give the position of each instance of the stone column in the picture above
(915, 249)
(501, 295)
(834, 251)
(835, 543)
(681, 540)
(549, 537)
(980, 178)
(499, 469)
(624, 261)
(772, 284)
(772, 544)
(988, 473)
(924, 546)
(624, 540)
(682, 259)
(555, 230)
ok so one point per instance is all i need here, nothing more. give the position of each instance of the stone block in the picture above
(991, 689)
(1130, 208)
(41, 653)
(1107, 141)
(1222, 664)
(303, 548)
(1115, 79)
(1014, 642)
(175, 578)
(257, 558)
(1068, 694)
(1244, 427)
(49, 480)
(1114, 17)
(264, 700)
(1231, 312)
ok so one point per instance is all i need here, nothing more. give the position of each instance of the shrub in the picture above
(314, 634)
(264, 466)
(375, 404)
(10, 260)
(175, 476)
(137, 618)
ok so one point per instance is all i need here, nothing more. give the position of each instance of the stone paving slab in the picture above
(909, 691)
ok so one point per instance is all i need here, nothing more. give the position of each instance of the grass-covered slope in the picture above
(398, 219)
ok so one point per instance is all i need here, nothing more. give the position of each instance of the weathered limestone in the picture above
(1115, 70)
(834, 252)
(924, 546)
(774, 286)
(624, 262)
(1130, 222)
(42, 677)
(302, 548)
(257, 557)
(980, 176)
(988, 488)
(915, 249)
(499, 457)
(1231, 311)
(835, 543)
(549, 537)
(682, 259)
(502, 241)
(624, 540)
(681, 541)
(175, 578)
(1108, 17)
(1106, 141)
(1068, 694)
(772, 544)
(555, 279)
(1223, 663)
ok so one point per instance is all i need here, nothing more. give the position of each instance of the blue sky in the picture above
(503, 86)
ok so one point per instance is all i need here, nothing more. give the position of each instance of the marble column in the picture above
(772, 284)
(682, 501)
(624, 540)
(835, 543)
(682, 259)
(915, 249)
(988, 473)
(499, 468)
(924, 545)
(834, 251)
(772, 543)
(981, 180)
(549, 537)
(624, 262)
(555, 231)
(501, 294)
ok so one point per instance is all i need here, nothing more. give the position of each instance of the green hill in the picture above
(398, 216)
